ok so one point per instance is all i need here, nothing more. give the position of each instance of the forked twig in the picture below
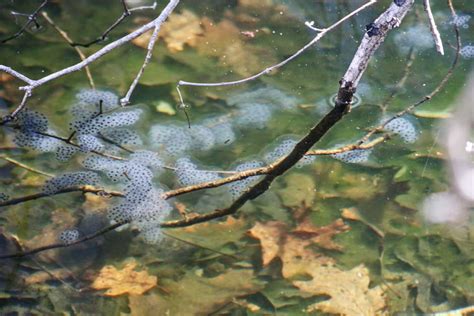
(31, 19)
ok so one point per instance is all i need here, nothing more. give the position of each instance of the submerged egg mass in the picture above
(354, 156)
(404, 128)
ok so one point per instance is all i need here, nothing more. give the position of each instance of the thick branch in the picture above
(375, 36)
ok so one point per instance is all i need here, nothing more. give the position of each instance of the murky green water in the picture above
(342, 234)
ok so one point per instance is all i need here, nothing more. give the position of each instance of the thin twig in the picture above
(267, 70)
(82, 188)
(123, 16)
(151, 44)
(426, 98)
(32, 84)
(24, 166)
(32, 18)
(70, 42)
(434, 29)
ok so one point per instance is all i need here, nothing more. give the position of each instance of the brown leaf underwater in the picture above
(124, 281)
(348, 290)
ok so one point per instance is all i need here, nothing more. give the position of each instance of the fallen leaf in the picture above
(348, 290)
(293, 246)
(350, 213)
(300, 188)
(196, 295)
(353, 214)
(270, 235)
(4, 77)
(165, 107)
(181, 29)
(43, 276)
(321, 235)
(125, 281)
(224, 41)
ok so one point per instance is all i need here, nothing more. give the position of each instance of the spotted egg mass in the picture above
(69, 236)
(284, 146)
(354, 156)
(461, 20)
(188, 174)
(467, 51)
(403, 127)
(238, 187)
(170, 139)
(269, 96)
(252, 115)
(66, 180)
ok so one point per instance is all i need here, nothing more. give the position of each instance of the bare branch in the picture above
(32, 84)
(320, 35)
(32, 18)
(434, 28)
(16, 74)
(125, 14)
(151, 44)
(70, 42)
(24, 166)
(82, 188)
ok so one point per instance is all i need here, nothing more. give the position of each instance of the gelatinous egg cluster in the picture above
(69, 236)
(467, 51)
(353, 156)
(66, 180)
(403, 127)
(461, 20)
(238, 187)
(32, 130)
(249, 110)
(188, 173)
(97, 117)
(285, 145)
(267, 95)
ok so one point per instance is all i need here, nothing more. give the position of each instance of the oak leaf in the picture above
(293, 247)
(181, 29)
(196, 295)
(348, 290)
(125, 281)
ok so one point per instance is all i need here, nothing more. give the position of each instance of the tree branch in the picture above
(32, 18)
(32, 84)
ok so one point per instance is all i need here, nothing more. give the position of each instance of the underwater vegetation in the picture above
(116, 203)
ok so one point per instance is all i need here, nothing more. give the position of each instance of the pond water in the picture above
(361, 232)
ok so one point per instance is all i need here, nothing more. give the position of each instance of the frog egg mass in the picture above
(188, 174)
(353, 156)
(70, 179)
(69, 236)
(238, 187)
(404, 128)
(467, 51)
